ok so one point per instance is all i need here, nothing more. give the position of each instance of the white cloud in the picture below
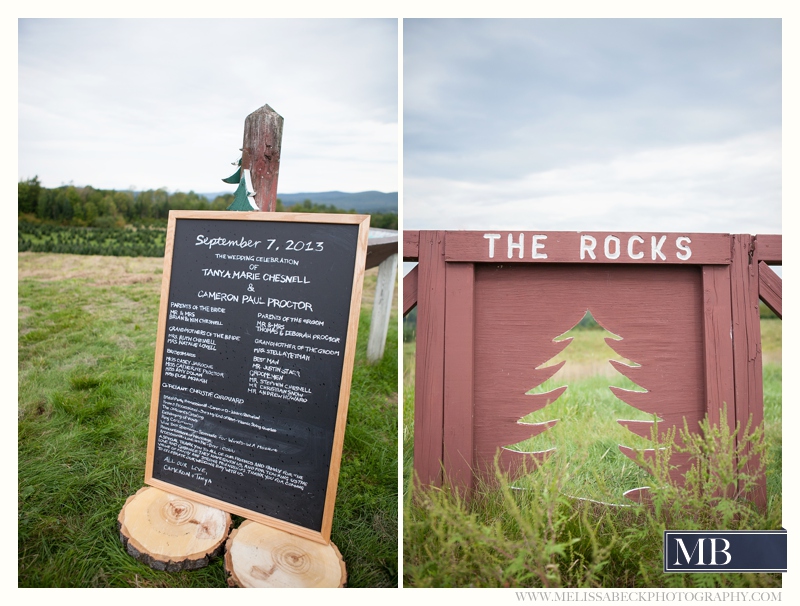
(502, 98)
(114, 103)
(732, 186)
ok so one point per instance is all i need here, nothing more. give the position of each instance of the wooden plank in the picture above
(382, 244)
(770, 288)
(279, 217)
(748, 381)
(163, 311)
(378, 253)
(382, 247)
(261, 154)
(770, 248)
(382, 308)
(458, 364)
(718, 345)
(410, 245)
(347, 379)
(588, 247)
(410, 282)
(429, 388)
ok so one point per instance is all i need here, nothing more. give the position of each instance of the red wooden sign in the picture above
(588, 247)
(490, 304)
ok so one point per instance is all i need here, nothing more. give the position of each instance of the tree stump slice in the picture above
(260, 556)
(171, 533)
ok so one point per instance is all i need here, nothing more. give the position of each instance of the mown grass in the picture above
(86, 340)
(542, 536)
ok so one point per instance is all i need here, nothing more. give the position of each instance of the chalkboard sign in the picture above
(254, 356)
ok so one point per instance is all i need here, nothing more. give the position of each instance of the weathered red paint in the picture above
(410, 284)
(770, 249)
(748, 380)
(458, 390)
(429, 392)
(720, 395)
(410, 245)
(520, 310)
(770, 288)
(587, 247)
(261, 154)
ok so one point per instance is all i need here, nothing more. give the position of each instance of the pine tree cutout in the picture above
(583, 412)
(243, 198)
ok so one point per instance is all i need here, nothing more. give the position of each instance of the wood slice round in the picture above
(171, 533)
(261, 556)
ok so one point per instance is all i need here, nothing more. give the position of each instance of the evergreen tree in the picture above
(28, 195)
(244, 197)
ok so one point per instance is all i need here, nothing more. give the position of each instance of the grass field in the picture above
(555, 533)
(86, 339)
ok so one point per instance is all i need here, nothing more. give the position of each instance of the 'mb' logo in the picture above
(689, 557)
(730, 551)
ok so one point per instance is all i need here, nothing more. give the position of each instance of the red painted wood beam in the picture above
(410, 245)
(717, 345)
(748, 378)
(770, 288)
(429, 388)
(410, 283)
(770, 249)
(587, 247)
(459, 346)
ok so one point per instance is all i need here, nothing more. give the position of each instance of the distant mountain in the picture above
(365, 201)
(362, 202)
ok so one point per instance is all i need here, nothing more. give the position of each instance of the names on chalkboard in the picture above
(253, 363)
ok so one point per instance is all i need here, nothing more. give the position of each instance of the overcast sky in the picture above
(162, 103)
(549, 124)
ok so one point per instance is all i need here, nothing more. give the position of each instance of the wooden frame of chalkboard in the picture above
(253, 365)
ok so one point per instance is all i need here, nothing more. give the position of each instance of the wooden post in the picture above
(261, 154)
(382, 308)
(746, 336)
(459, 344)
(381, 253)
(717, 344)
(429, 389)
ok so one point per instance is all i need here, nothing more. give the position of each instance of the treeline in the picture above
(90, 207)
(69, 205)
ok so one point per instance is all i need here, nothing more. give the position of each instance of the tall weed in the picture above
(535, 536)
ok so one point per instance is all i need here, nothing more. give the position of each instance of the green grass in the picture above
(86, 341)
(545, 537)
(587, 436)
